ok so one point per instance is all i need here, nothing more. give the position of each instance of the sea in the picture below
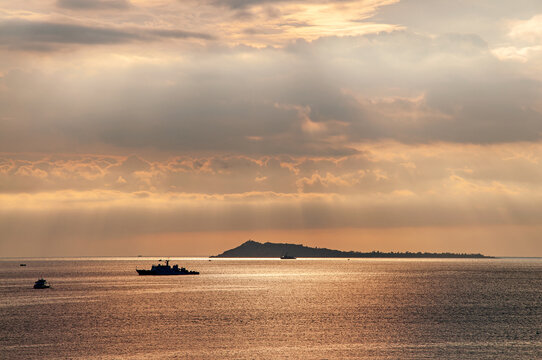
(100, 308)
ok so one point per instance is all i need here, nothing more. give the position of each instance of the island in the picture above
(254, 249)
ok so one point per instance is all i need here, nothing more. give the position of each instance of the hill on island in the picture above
(254, 249)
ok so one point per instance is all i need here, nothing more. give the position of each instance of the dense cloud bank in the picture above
(383, 186)
(313, 96)
(308, 98)
(380, 168)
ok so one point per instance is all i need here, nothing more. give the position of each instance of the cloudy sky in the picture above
(185, 127)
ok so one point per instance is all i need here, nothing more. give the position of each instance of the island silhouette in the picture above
(254, 249)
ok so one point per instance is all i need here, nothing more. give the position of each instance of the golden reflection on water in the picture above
(385, 309)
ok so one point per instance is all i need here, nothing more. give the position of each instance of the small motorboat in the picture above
(22, 264)
(41, 284)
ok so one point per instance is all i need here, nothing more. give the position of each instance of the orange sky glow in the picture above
(185, 128)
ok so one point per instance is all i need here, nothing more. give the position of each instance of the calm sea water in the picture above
(273, 309)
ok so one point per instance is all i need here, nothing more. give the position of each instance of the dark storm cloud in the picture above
(93, 4)
(40, 35)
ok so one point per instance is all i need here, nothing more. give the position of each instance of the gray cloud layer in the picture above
(93, 4)
(483, 17)
(59, 198)
(49, 36)
(309, 98)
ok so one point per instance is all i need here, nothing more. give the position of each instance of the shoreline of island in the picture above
(254, 249)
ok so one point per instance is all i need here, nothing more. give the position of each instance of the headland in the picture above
(254, 249)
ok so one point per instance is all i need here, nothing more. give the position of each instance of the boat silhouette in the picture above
(41, 284)
(166, 269)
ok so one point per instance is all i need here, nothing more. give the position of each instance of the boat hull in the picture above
(159, 273)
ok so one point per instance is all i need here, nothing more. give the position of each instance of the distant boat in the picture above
(166, 270)
(287, 257)
(22, 264)
(41, 284)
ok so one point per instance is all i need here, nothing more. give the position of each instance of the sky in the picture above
(186, 127)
